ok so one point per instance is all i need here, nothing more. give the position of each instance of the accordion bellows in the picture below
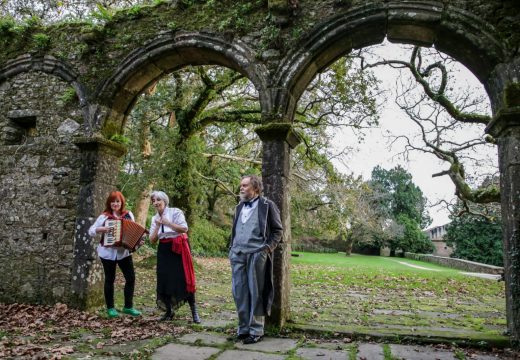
(126, 233)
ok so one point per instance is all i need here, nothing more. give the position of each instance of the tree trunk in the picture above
(143, 202)
(142, 205)
(349, 244)
(212, 200)
(186, 194)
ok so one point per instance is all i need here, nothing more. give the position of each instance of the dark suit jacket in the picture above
(272, 230)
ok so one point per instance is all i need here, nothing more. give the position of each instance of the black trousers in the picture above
(127, 267)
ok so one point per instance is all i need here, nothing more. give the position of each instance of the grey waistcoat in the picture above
(248, 236)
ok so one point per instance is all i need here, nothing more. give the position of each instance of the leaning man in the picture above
(257, 230)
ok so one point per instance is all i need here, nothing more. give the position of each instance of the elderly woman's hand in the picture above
(165, 221)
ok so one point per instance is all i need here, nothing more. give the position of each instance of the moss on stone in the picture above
(512, 95)
(102, 46)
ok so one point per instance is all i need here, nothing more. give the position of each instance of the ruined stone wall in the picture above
(39, 186)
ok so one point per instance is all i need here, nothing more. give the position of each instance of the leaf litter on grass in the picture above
(343, 298)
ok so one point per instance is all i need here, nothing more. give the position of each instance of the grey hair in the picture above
(160, 195)
(256, 182)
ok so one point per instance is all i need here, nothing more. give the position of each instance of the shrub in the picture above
(207, 239)
(42, 41)
(7, 25)
(69, 95)
(312, 244)
(121, 139)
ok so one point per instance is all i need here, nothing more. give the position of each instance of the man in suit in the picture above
(257, 230)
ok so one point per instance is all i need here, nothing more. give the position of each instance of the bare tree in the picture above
(441, 111)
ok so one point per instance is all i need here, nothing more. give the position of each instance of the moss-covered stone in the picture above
(512, 95)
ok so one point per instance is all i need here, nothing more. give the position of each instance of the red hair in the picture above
(113, 196)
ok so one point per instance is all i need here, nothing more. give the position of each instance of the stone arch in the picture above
(50, 65)
(454, 31)
(167, 53)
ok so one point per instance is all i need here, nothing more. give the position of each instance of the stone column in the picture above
(506, 130)
(278, 139)
(100, 167)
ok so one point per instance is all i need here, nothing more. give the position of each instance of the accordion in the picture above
(126, 233)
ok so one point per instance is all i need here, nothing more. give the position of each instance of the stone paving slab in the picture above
(322, 354)
(216, 323)
(272, 345)
(204, 338)
(331, 345)
(248, 355)
(411, 352)
(189, 348)
(184, 352)
(370, 352)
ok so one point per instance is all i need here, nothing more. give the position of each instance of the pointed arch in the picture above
(167, 53)
(454, 31)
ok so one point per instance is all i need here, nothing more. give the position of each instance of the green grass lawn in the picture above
(358, 294)
(382, 295)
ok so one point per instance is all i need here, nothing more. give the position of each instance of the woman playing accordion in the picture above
(113, 256)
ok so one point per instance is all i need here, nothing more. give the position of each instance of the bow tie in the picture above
(250, 202)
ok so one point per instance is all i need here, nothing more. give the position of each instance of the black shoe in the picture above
(167, 317)
(237, 338)
(241, 337)
(252, 339)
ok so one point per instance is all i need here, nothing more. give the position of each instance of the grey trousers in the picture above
(247, 282)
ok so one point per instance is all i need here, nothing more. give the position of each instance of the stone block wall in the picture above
(39, 188)
(466, 265)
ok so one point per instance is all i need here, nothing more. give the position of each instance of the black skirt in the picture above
(171, 281)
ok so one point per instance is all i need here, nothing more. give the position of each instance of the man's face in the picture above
(246, 189)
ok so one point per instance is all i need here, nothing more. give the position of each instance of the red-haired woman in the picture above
(111, 257)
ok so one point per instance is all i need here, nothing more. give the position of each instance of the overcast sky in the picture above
(376, 149)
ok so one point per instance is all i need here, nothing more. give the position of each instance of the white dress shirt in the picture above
(246, 211)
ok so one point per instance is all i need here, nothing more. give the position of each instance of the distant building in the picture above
(436, 235)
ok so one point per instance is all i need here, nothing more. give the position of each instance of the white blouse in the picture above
(173, 215)
(108, 253)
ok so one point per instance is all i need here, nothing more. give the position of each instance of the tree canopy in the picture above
(397, 199)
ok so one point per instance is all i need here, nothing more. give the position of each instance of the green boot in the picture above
(131, 311)
(112, 313)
